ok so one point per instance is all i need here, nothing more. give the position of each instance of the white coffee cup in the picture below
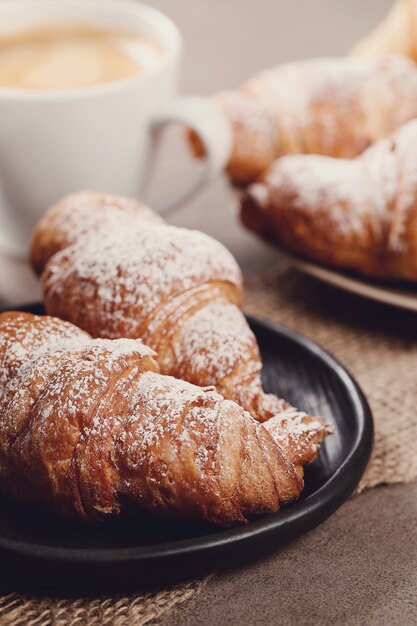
(54, 142)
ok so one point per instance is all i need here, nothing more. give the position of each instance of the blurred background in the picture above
(226, 41)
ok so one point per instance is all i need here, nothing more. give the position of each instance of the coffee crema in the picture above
(65, 56)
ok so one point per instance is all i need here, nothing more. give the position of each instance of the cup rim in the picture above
(155, 16)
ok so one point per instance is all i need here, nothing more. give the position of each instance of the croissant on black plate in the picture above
(89, 428)
(115, 272)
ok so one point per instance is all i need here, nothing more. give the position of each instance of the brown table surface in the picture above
(360, 567)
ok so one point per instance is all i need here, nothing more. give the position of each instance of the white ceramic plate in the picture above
(402, 295)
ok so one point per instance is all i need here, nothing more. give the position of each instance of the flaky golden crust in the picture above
(178, 290)
(358, 214)
(396, 34)
(89, 428)
(331, 106)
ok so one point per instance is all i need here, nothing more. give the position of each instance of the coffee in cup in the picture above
(66, 56)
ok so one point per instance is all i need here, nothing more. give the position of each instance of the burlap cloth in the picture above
(377, 344)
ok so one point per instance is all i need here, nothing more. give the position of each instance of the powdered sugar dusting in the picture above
(80, 213)
(21, 341)
(214, 340)
(403, 195)
(71, 373)
(344, 190)
(373, 193)
(129, 274)
(298, 434)
(172, 286)
(248, 114)
(337, 106)
(59, 362)
(88, 423)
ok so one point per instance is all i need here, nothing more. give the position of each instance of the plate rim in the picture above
(358, 285)
(325, 499)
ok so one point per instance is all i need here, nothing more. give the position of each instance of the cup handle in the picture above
(9, 249)
(213, 130)
(7, 246)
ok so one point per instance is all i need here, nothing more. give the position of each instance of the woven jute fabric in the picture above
(126, 610)
(377, 344)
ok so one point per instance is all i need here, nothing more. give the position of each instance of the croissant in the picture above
(331, 106)
(358, 214)
(89, 430)
(397, 33)
(177, 289)
(88, 213)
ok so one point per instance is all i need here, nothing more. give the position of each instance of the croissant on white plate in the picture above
(330, 106)
(358, 214)
(117, 274)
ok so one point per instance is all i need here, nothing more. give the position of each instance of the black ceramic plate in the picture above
(138, 553)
